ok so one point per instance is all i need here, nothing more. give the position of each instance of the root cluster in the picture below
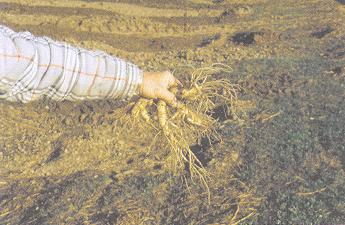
(176, 129)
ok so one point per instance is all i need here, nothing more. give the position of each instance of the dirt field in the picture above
(61, 164)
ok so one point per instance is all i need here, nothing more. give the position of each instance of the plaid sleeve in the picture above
(33, 67)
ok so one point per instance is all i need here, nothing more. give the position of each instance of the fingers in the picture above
(172, 80)
(157, 85)
(167, 96)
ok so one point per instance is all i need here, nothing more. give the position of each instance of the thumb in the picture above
(166, 96)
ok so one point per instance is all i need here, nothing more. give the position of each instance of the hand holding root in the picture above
(156, 85)
(179, 124)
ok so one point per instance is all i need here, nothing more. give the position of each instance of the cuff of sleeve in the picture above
(135, 79)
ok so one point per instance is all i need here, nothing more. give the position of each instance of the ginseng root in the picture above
(140, 110)
(162, 115)
(184, 113)
(205, 92)
(175, 129)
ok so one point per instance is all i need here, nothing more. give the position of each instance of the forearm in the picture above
(31, 68)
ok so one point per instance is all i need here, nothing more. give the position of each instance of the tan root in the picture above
(176, 129)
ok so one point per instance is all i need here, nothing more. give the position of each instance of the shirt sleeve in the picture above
(33, 67)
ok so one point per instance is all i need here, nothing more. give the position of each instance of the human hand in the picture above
(156, 85)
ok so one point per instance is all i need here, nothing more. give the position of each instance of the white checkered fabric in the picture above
(33, 67)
